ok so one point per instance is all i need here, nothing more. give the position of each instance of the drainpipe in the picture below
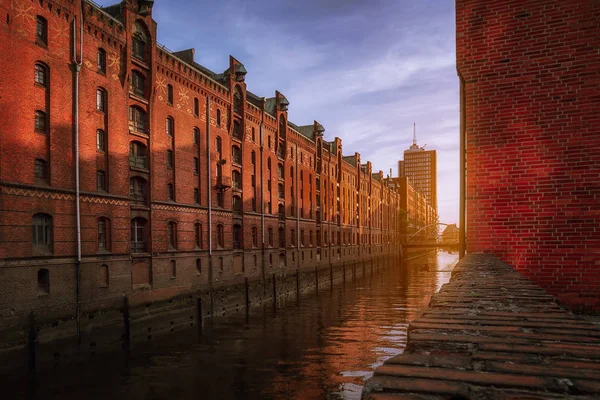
(298, 211)
(76, 68)
(262, 186)
(209, 191)
(462, 169)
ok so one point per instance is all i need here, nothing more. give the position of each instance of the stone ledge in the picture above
(490, 333)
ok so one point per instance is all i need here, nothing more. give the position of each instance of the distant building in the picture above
(450, 234)
(401, 168)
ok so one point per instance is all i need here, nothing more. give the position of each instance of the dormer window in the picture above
(139, 41)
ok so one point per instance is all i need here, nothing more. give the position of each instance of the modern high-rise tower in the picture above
(420, 166)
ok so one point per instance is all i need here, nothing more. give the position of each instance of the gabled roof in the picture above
(307, 131)
(350, 160)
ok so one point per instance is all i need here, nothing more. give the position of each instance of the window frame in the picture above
(101, 61)
(41, 30)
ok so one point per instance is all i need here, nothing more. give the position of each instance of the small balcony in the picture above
(222, 183)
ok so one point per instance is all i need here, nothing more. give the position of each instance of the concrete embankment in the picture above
(491, 333)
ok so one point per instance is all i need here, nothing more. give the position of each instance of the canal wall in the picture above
(491, 333)
(137, 321)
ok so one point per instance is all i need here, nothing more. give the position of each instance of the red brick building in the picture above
(530, 83)
(185, 178)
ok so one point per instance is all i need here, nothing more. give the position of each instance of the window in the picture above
(41, 75)
(169, 159)
(281, 238)
(254, 237)
(137, 190)
(293, 238)
(198, 235)
(137, 155)
(138, 235)
(42, 231)
(220, 236)
(237, 236)
(138, 83)
(173, 269)
(218, 117)
(170, 193)
(269, 142)
(101, 61)
(270, 237)
(253, 135)
(103, 277)
(281, 191)
(237, 100)
(220, 199)
(196, 106)
(101, 181)
(218, 146)
(236, 178)
(137, 119)
(101, 99)
(237, 130)
(41, 30)
(41, 169)
(302, 237)
(253, 157)
(269, 163)
(172, 235)
(43, 282)
(196, 166)
(196, 136)
(170, 94)
(196, 196)
(100, 140)
(40, 121)
(103, 239)
(236, 155)
(140, 39)
(170, 126)
(280, 171)
(236, 204)
(198, 266)
(310, 237)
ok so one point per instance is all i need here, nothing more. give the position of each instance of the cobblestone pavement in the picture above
(493, 334)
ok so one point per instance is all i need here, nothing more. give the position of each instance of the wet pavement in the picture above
(324, 347)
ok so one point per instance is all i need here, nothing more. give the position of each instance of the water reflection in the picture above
(324, 347)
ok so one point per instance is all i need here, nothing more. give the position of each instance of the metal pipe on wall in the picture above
(209, 192)
(462, 169)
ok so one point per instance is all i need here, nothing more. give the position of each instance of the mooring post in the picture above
(126, 323)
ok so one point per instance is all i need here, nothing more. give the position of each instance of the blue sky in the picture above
(364, 69)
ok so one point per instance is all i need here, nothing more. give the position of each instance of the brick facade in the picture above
(167, 191)
(530, 72)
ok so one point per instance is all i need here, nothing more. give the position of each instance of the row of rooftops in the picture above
(269, 105)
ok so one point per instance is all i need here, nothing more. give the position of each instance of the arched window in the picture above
(101, 100)
(138, 83)
(237, 236)
(172, 235)
(101, 61)
(198, 235)
(218, 117)
(196, 196)
(140, 39)
(41, 170)
(196, 135)
(253, 135)
(236, 204)
(42, 231)
(220, 236)
(137, 190)
(40, 121)
(280, 171)
(270, 236)
(236, 178)
(293, 238)
(170, 126)
(196, 166)
(137, 155)
(138, 235)
(237, 130)
(218, 146)
(254, 237)
(41, 30)
(43, 282)
(103, 234)
(236, 155)
(196, 106)
(100, 140)
(281, 190)
(103, 277)
(41, 74)
(282, 128)
(198, 266)
(237, 100)
(221, 264)
(137, 119)
(253, 157)
(169, 159)
(173, 269)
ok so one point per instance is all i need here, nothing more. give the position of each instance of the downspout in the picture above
(462, 168)
(76, 68)
(262, 186)
(209, 191)
(298, 211)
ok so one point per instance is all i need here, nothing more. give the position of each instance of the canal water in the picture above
(323, 347)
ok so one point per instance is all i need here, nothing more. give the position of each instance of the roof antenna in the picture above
(414, 133)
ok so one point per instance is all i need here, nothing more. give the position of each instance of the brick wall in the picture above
(531, 73)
